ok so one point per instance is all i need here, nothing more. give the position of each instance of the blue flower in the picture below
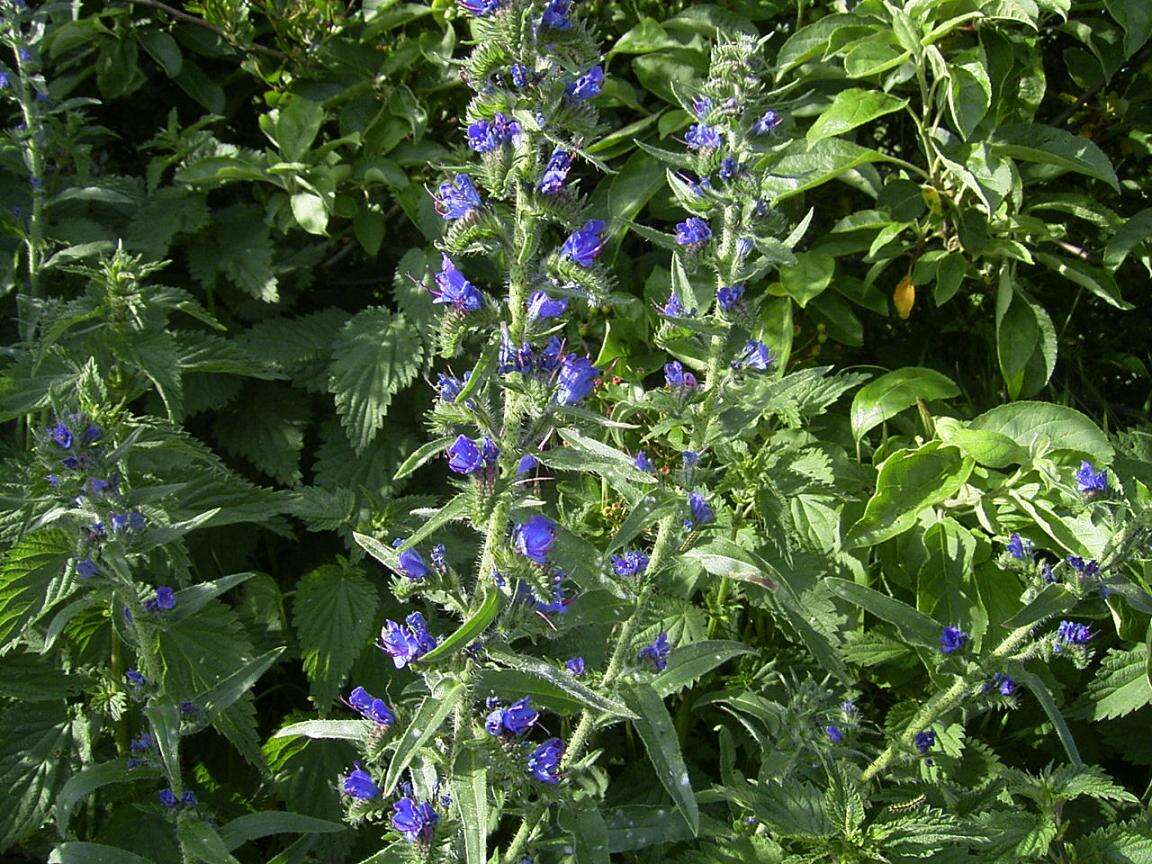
(1004, 685)
(519, 75)
(168, 798)
(370, 708)
(701, 106)
(358, 784)
(458, 199)
(743, 247)
(700, 511)
(188, 708)
(556, 15)
(702, 137)
(693, 233)
(406, 643)
(466, 456)
(952, 639)
(505, 128)
(448, 387)
(535, 538)
(585, 244)
(482, 136)
(551, 354)
(576, 380)
(164, 600)
(86, 569)
(1018, 547)
(632, 563)
(455, 289)
(141, 744)
(480, 7)
(557, 605)
(92, 434)
(691, 458)
(1087, 569)
(188, 799)
(925, 741)
(527, 463)
(419, 628)
(643, 463)
(730, 168)
(656, 652)
(555, 172)
(768, 121)
(542, 307)
(700, 187)
(439, 557)
(1071, 633)
(516, 719)
(575, 665)
(1092, 483)
(587, 85)
(673, 307)
(834, 733)
(729, 297)
(415, 820)
(135, 678)
(411, 562)
(756, 356)
(61, 435)
(544, 761)
(4, 80)
(678, 379)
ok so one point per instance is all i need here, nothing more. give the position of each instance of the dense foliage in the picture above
(508, 431)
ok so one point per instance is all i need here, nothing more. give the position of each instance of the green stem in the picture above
(117, 663)
(524, 834)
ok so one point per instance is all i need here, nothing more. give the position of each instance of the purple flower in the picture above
(542, 307)
(482, 136)
(419, 628)
(92, 434)
(188, 799)
(557, 605)
(406, 643)
(188, 708)
(756, 356)
(730, 168)
(701, 106)
(576, 380)
(1071, 633)
(587, 85)
(693, 233)
(676, 378)
(834, 733)
(135, 678)
(691, 459)
(729, 297)
(141, 744)
(479, 7)
(925, 741)
(527, 463)
(556, 15)
(516, 719)
(455, 289)
(1004, 685)
(370, 708)
(448, 387)
(1092, 483)
(701, 186)
(164, 600)
(1087, 569)
(643, 463)
(168, 798)
(411, 562)
(631, 563)
(700, 511)
(458, 199)
(544, 761)
(519, 75)
(585, 244)
(743, 247)
(416, 821)
(952, 639)
(535, 538)
(1018, 547)
(61, 435)
(358, 784)
(555, 172)
(768, 121)
(656, 652)
(439, 557)
(575, 665)
(85, 569)
(702, 137)
(466, 456)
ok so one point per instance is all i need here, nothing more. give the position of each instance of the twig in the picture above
(180, 15)
(1088, 95)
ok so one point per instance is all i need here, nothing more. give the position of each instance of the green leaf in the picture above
(659, 736)
(1052, 600)
(310, 212)
(470, 795)
(269, 432)
(189, 601)
(809, 277)
(690, 662)
(909, 481)
(586, 454)
(164, 717)
(253, 826)
(231, 688)
(30, 570)
(1135, 231)
(969, 96)
(1055, 427)
(90, 778)
(200, 842)
(987, 448)
(884, 398)
(297, 125)
(422, 455)
(342, 730)
(1026, 343)
(94, 853)
(1135, 16)
(590, 844)
(1099, 282)
(914, 627)
(238, 247)
(852, 108)
(639, 826)
(805, 166)
(467, 632)
(944, 589)
(424, 726)
(35, 746)
(563, 680)
(1121, 685)
(333, 611)
(376, 356)
(1047, 145)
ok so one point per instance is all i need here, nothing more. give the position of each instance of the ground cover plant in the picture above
(572, 431)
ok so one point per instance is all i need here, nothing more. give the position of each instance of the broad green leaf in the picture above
(467, 632)
(1056, 427)
(344, 730)
(986, 448)
(35, 746)
(1121, 685)
(1135, 16)
(690, 662)
(805, 166)
(470, 795)
(375, 357)
(909, 481)
(969, 96)
(90, 778)
(590, 844)
(914, 626)
(659, 736)
(944, 590)
(1026, 343)
(809, 277)
(888, 395)
(424, 726)
(851, 108)
(253, 826)
(562, 679)
(1135, 231)
(811, 42)
(1047, 145)
(27, 575)
(334, 609)
(511, 684)
(639, 826)
(296, 127)
(310, 213)
(94, 853)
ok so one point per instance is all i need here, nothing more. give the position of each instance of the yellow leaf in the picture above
(904, 297)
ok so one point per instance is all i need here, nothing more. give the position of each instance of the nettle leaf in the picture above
(35, 745)
(884, 398)
(170, 211)
(851, 108)
(267, 430)
(238, 248)
(377, 355)
(30, 570)
(1121, 685)
(334, 610)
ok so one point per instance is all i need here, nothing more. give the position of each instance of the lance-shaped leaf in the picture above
(1052, 600)
(189, 601)
(94, 853)
(914, 626)
(589, 834)
(425, 724)
(1044, 696)
(467, 632)
(422, 455)
(470, 795)
(562, 679)
(253, 826)
(344, 730)
(164, 717)
(689, 662)
(659, 736)
(231, 688)
(90, 778)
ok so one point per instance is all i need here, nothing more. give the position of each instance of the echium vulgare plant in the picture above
(483, 743)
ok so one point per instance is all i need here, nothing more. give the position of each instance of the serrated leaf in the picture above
(35, 744)
(268, 431)
(90, 778)
(690, 662)
(29, 570)
(1121, 685)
